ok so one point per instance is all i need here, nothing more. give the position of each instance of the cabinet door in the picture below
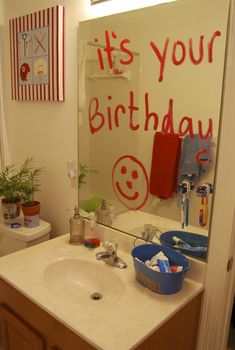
(16, 335)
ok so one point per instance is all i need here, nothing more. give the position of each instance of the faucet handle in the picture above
(149, 227)
(110, 246)
(149, 232)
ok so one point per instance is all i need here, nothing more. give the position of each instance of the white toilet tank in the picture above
(13, 239)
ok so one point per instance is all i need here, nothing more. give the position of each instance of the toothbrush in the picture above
(187, 203)
(183, 210)
(185, 187)
(186, 210)
(203, 191)
(203, 217)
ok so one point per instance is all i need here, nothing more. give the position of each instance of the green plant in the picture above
(29, 181)
(10, 184)
(84, 171)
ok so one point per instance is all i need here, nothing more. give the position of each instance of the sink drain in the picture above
(96, 296)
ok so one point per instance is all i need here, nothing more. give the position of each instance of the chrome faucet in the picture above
(149, 232)
(110, 255)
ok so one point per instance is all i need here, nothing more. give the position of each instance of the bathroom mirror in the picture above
(150, 90)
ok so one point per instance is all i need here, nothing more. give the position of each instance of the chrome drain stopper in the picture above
(96, 296)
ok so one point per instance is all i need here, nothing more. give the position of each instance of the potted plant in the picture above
(9, 191)
(84, 171)
(29, 184)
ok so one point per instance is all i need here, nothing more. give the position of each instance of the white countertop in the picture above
(133, 222)
(120, 324)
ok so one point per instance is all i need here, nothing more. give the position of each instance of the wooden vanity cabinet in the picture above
(179, 332)
(25, 326)
(17, 335)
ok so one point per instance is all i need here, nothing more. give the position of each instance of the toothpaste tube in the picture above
(176, 268)
(155, 268)
(139, 260)
(180, 242)
(147, 262)
(163, 263)
(153, 261)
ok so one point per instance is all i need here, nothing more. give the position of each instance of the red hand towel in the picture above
(165, 164)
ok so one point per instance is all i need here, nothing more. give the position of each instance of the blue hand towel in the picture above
(193, 163)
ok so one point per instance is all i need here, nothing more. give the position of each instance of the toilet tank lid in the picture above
(25, 233)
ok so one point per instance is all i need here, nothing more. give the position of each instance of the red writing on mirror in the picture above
(109, 48)
(181, 51)
(177, 52)
(110, 117)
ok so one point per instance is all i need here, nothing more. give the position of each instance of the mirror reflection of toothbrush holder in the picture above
(186, 186)
(204, 190)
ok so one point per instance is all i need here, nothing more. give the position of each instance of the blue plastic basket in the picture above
(159, 282)
(196, 242)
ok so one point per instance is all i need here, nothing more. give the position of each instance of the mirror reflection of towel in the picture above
(165, 164)
(195, 157)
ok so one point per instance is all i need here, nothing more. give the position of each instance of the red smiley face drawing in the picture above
(128, 176)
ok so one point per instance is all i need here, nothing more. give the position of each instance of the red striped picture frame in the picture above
(37, 55)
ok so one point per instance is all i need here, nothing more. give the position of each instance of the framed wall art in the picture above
(37, 55)
(93, 2)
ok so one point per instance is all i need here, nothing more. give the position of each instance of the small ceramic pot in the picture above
(31, 214)
(10, 211)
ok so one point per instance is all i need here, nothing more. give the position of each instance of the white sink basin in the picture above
(77, 280)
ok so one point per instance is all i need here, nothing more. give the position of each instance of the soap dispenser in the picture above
(77, 228)
(103, 214)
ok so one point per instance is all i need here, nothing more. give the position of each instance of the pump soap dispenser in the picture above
(103, 213)
(77, 230)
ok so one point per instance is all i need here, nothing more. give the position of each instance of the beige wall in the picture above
(47, 130)
(1, 12)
